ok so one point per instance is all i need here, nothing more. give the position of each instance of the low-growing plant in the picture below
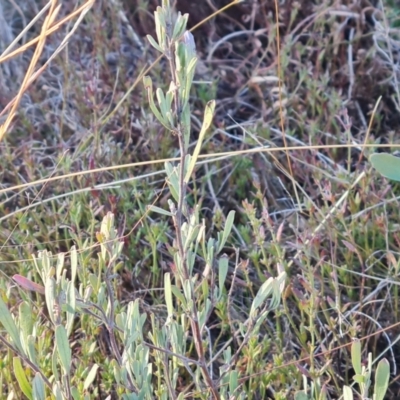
(149, 356)
(70, 334)
(362, 379)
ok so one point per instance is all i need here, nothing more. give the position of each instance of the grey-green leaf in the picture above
(168, 294)
(154, 43)
(227, 230)
(381, 379)
(7, 321)
(356, 356)
(25, 321)
(159, 210)
(38, 388)
(63, 348)
(91, 376)
(148, 84)
(223, 264)
(300, 396)
(387, 165)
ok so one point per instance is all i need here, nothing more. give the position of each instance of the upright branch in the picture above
(173, 112)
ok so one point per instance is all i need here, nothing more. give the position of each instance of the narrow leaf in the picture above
(63, 348)
(180, 26)
(178, 294)
(159, 210)
(38, 387)
(168, 294)
(74, 263)
(172, 180)
(91, 377)
(50, 297)
(7, 321)
(356, 356)
(27, 284)
(227, 230)
(25, 321)
(154, 43)
(57, 391)
(148, 84)
(233, 381)
(161, 102)
(222, 272)
(208, 117)
(265, 289)
(19, 373)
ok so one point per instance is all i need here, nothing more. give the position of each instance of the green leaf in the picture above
(204, 313)
(70, 307)
(227, 230)
(192, 232)
(160, 25)
(63, 348)
(154, 43)
(170, 96)
(180, 26)
(189, 75)
(75, 393)
(7, 321)
(172, 180)
(185, 117)
(25, 321)
(356, 356)
(178, 294)
(191, 259)
(381, 379)
(272, 286)
(116, 371)
(74, 263)
(360, 379)
(300, 396)
(180, 62)
(91, 376)
(223, 263)
(159, 210)
(208, 116)
(265, 289)
(44, 257)
(49, 288)
(168, 294)
(347, 393)
(23, 383)
(233, 381)
(38, 387)
(387, 165)
(60, 266)
(148, 84)
(31, 349)
(186, 80)
(57, 391)
(161, 102)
